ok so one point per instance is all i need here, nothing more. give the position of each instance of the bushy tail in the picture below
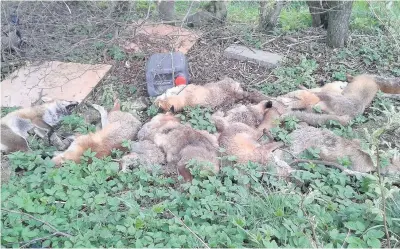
(386, 85)
(316, 119)
(103, 114)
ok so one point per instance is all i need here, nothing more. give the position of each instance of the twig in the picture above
(204, 243)
(187, 14)
(42, 221)
(271, 40)
(319, 37)
(68, 7)
(335, 165)
(37, 239)
(344, 241)
(383, 197)
(314, 234)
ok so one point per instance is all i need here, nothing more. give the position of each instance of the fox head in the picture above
(55, 110)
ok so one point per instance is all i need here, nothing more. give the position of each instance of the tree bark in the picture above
(269, 13)
(120, 6)
(338, 23)
(319, 13)
(214, 11)
(166, 9)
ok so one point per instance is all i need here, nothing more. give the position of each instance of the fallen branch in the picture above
(331, 164)
(42, 221)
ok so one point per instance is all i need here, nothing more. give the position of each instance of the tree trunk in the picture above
(120, 6)
(319, 13)
(213, 11)
(219, 10)
(338, 23)
(166, 9)
(269, 13)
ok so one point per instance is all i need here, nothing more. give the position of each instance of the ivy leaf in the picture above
(374, 243)
(357, 226)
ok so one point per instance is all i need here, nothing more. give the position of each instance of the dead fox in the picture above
(271, 117)
(181, 143)
(116, 127)
(241, 140)
(143, 154)
(306, 98)
(251, 115)
(386, 85)
(331, 146)
(224, 92)
(41, 118)
(355, 97)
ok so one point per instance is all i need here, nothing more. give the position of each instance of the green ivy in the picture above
(95, 205)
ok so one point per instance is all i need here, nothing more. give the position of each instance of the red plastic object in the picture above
(180, 80)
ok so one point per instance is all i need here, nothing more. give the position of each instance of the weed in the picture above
(290, 77)
(295, 18)
(7, 110)
(339, 76)
(116, 53)
(152, 111)
(77, 123)
(199, 118)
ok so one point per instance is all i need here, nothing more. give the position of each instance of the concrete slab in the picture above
(69, 81)
(264, 58)
(160, 38)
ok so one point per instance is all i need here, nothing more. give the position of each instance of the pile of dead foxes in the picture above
(164, 140)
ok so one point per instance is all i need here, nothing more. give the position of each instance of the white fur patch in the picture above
(3, 147)
(51, 116)
(103, 114)
(171, 92)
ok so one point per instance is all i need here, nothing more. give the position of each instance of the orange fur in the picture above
(241, 141)
(210, 95)
(122, 126)
(270, 120)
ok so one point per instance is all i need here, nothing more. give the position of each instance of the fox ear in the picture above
(172, 109)
(268, 104)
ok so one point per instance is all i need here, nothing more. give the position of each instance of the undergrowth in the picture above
(199, 118)
(95, 205)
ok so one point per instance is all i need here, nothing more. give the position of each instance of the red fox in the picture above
(355, 97)
(224, 92)
(143, 154)
(117, 127)
(251, 115)
(386, 85)
(241, 141)
(181, 143)
(331, 146)
(41, 118)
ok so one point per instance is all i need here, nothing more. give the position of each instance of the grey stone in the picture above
(267, 59)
